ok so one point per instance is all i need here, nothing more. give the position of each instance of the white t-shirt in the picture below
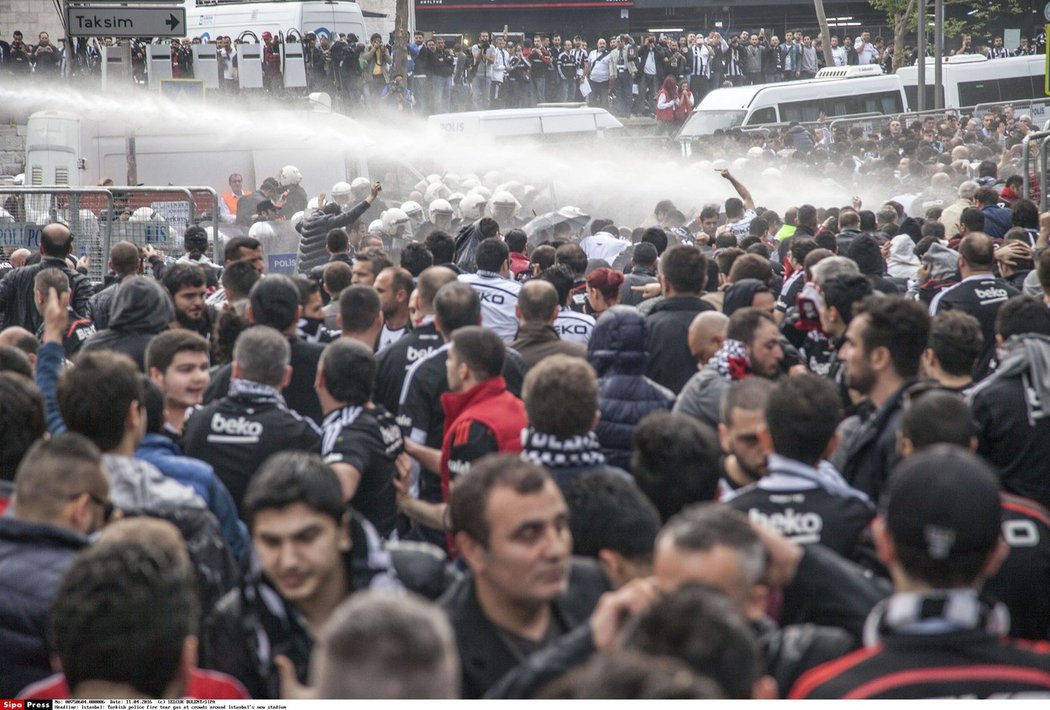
(389, 337)
(574, 327)
(499, 298)
(600, 61)
(603, 246)
(741, 226)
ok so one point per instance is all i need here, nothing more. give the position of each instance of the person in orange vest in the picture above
(229, 199)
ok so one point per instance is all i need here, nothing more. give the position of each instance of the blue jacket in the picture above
(165, 454)
(619, 353)
(33, 559)
(997, 221)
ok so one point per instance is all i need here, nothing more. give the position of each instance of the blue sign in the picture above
(281, 263)
(20, 234)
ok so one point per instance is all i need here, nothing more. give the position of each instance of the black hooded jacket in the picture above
(141, 309)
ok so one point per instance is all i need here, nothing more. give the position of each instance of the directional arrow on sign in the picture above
(172, 22)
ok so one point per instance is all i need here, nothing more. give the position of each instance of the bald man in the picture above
(19, 257)
(536, 311)
(17, 306)
(21, 339)
(706, 334)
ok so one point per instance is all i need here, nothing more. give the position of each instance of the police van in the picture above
(569, 123)
(209, 19)
(971, 79)
(836, 91)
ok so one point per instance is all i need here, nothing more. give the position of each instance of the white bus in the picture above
(208, 20)
(839, 91)
(971, 79)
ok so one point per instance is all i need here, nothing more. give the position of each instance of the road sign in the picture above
(118, 21)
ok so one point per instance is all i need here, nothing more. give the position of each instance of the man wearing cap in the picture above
(937, 636)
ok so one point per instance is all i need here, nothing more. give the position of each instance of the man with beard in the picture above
(743, 419)
(884, 345)
(394, 286)
(186, 285)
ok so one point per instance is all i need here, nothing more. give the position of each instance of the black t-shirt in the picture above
(808, 516)
(981, 297)
(369, 440)
(1025, 575)
(394, 362)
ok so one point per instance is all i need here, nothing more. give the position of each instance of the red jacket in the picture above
(202, 685)
(487, 403)
(518, 263)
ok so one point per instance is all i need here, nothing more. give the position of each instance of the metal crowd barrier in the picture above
(100, 217)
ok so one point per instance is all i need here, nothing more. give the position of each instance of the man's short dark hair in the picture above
(291, 477)
(560, 394)
(842, 291)
(849, 219)
(378, 259)
(275, 302)
(516, 240)
(337, 241)
(441, 245)
(973, 219)
(125, 258)
(801, 247)
(806, 216)
(596, 498)
(561, 278)
(632, 675)
(957, 341)
(1022, 315)
(491, 255)
(544, 257)
(937, 416)
(336, 276)
(232, 251)
(470, 495)
(480, 349)
(702, 627)
(238, 278)
(22, 420)
(657, 237)
(675, 461)
(986, 196)
(685, 269)
(726, 257)
(456, 305)
(802, 415)
(899, 325)
(95, 396)
(745, 322)
(122, 614)
(488, 228)
(349, 369)
(645, 254)
(574, 257)
(307, 288)
(978, 250)
(734, 207)
(14, 360)
(416, 258)
(163, 348)
(359, 307)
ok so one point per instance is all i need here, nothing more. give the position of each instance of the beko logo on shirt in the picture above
(239, 430)
(412, 354)
(799, 527)
(496, 298)
(572, 329)
(991, 292)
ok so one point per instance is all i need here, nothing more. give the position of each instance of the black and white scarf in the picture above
(554, 452)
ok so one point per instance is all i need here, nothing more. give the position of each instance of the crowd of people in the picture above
(724, 452)
(625, 74)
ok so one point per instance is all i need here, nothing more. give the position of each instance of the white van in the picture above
(558, 122)
(971, 79)
(837, 91)
(322, 17)
(69, 149)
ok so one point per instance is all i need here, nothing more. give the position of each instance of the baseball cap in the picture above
(941, 506)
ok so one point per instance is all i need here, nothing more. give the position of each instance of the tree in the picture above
(978, 18)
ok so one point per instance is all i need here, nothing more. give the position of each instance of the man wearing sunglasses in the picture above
(62, 498)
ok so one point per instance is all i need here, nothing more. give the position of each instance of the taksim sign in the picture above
(116, 21)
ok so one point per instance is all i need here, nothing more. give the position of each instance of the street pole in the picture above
(825, 42)
(920, 104)
(938, 53)
(401, 39)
